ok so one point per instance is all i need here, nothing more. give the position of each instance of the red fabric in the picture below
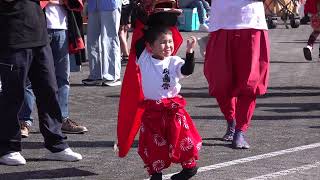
(77, 47)
(239, 108)
(237, 69)
(129, 115)
(167, 134)
(43, 4)
(311, 6)
(315, 22)
(237, 62)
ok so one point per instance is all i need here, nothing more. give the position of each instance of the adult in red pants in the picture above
(237, 63)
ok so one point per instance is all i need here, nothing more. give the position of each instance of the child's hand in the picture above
(191, 43)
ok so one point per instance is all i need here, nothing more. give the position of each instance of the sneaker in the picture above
(92, 82)
(24, 129)
(185, 174)
(307, 52)
(156, 176)
(65, 155)
(202, 42)
(203, 28)
(13, 159)
(230, 131)
(238, 141)
(71, 127)
(112, 82)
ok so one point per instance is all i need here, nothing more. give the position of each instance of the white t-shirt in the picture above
(56, 16)
(160, 78)
(237, 14)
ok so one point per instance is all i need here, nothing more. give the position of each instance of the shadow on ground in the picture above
(47, 174)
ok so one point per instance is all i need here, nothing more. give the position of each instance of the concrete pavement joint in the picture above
(287, 171)
(252, 158)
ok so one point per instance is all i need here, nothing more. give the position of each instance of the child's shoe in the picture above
(230, 131)
(307, 52)
(156, 176)
(185, 174)
(238, 141)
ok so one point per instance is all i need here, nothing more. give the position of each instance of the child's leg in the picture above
(186, 143)
(153, 147)
(307, 51)
(189, 169)
(313, 37)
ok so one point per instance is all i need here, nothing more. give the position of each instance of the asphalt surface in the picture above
(284, 133)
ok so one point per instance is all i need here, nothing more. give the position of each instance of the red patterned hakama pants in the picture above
(167, 134)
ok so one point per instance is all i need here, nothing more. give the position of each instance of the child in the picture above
(167, 133)
(237, 62)
(312, 7)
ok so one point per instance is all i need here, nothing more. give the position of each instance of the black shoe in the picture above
(238, 141)
(305, 19)
(230, 131)
(156, 176)
(307, 52)
(185, 174)
(92, 82)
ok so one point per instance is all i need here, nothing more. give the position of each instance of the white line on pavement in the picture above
(286, 172)
(252, 158)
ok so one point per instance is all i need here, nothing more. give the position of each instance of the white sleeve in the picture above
(178, 63)
(144, 55)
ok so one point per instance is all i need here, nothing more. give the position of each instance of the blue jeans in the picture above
(202, 7)
(28, 103)
(59, 45)
(104, 44)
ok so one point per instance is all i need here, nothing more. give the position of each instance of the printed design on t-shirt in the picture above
(166, 79)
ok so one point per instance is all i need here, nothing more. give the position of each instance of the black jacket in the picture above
(22, 25)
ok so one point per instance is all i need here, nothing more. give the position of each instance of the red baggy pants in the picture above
(237, 70)
(167, 134)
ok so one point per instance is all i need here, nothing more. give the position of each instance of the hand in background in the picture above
(191, 43)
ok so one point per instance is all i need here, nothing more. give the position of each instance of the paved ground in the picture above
(284, 134)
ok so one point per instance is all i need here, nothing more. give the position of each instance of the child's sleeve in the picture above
(143, 57)
(188, 67)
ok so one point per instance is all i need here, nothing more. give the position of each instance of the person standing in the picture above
(203, 9)
(125, 25)
(57, 25)
(104, 52)
(25, 52)
(237, 62)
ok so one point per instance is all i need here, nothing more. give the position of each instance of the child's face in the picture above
(163, 46)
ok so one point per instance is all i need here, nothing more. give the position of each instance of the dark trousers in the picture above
(37, 64)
